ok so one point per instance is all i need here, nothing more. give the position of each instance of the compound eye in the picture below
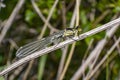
(76, 27)
(68, 29)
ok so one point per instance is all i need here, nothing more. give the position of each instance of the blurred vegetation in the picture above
(28, 25)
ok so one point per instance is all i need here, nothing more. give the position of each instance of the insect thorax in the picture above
(69, 32)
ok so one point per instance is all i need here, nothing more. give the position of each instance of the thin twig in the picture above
(49, 16)
(118, 47)
(28, 70)
(63, 11)
(16, 72)
(19, 69)
(73, 45)
(101, 17)
(60, 45)
(88, 49)
(62, 61)
(11, 19)
(111, 58)
(45, 27)
(95, 52)
(65, 50)
(43, 31)
(41, 16)
(86, 54)
(105, 57)
(2, 24)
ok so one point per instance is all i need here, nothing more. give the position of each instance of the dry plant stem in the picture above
(109, 34)
(112, 56)
(77, 13)
(67, 62)
(42, 33)
(16, 73)
(118, 47)
(62, 61)
(73, 19)
(93, 10)
(2, 23)
(111, 59)
(86, 54)
(103, 60)
(60, 45)
(28, 70)
(103, 66)
(100, 46)
(41, 16)
(95, 52)
(71, 4)
(49, 16)
(94, 62)
(88, 49)
(13, 44)
(63, 10)
(73, 45)
(65, 50)
(18, 70)
(100, 18)
(9, 58)
(11, 18)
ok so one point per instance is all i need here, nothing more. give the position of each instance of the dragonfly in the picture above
(44, 42)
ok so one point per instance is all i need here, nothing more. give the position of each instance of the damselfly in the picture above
(43, 43)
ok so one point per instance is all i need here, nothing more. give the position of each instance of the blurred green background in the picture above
(27, 26)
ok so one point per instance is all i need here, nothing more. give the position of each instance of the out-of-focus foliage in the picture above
(28, 25)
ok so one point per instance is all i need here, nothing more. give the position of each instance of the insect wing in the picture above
(32, 47)
(38, 45)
